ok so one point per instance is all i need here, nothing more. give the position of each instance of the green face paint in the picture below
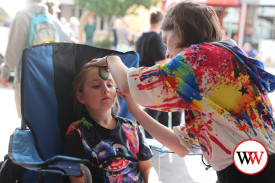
(103, 73)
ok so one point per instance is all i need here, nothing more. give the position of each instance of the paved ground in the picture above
(189, 169)
(8, 118)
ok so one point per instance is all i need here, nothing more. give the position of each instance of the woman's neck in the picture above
(103, 118)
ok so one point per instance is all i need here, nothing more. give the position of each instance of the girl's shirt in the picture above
(113, 154)
(222, 92)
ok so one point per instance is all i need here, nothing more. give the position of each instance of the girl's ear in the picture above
(80, 97)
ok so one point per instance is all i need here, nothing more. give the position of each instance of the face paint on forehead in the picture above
(103, 73)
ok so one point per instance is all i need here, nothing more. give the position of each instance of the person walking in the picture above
(73, 25)
(152, 51)
(53, 7)
(222, 91)
(19, 40)
(114, 32)
(250, 50)
(89, 30)
(124, 37)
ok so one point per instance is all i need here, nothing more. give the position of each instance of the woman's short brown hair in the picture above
(195, 23)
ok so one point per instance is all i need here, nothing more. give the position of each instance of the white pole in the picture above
(242, 23)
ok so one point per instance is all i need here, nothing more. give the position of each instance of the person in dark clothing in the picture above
(152, 51)
(114, 43)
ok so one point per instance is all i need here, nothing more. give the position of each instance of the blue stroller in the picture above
(47, 109)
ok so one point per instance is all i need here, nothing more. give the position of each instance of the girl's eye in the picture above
(110, 85)
(95, 86)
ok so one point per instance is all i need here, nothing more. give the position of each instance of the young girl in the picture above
(222, 92)
(113, 145)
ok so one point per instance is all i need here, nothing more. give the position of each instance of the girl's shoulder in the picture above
(77, 124)
(125, 120)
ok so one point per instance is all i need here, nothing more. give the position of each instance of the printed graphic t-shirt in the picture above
(113, 154)
(223, 93)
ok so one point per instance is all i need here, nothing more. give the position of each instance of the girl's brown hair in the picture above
(78, 85)
(195, 23)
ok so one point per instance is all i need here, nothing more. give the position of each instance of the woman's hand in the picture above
(102, 61)
(98, 62)
(131, 103)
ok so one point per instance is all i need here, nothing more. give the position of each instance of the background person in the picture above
(19, 40)
(223, 92)
(53, 7)
(124, 37)
(249, 50)
(89, 30)
(73, 25)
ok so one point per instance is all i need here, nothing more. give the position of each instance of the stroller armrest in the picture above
(22, 152)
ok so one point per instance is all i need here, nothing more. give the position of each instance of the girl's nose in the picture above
(105, 89)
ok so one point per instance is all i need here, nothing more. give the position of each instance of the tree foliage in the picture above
(117, 8)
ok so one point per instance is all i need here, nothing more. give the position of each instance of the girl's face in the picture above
(171, 39)
(98, 94)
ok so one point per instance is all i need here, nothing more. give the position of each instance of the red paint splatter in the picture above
(134, 75)
(170, 99)
(149, 72)
(172, 81)
(241, 127)
(227, 151)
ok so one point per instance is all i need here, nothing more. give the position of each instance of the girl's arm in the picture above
(74, 179)
(147, 171)
(161, 133)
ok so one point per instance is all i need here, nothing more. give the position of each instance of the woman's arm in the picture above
(163, 134)
(147, 171)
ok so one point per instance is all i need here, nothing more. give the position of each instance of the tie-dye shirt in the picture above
(223, 93)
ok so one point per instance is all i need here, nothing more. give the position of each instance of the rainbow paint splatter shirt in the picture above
(223, 93)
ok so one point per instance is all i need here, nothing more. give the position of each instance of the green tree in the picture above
(110, 9)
